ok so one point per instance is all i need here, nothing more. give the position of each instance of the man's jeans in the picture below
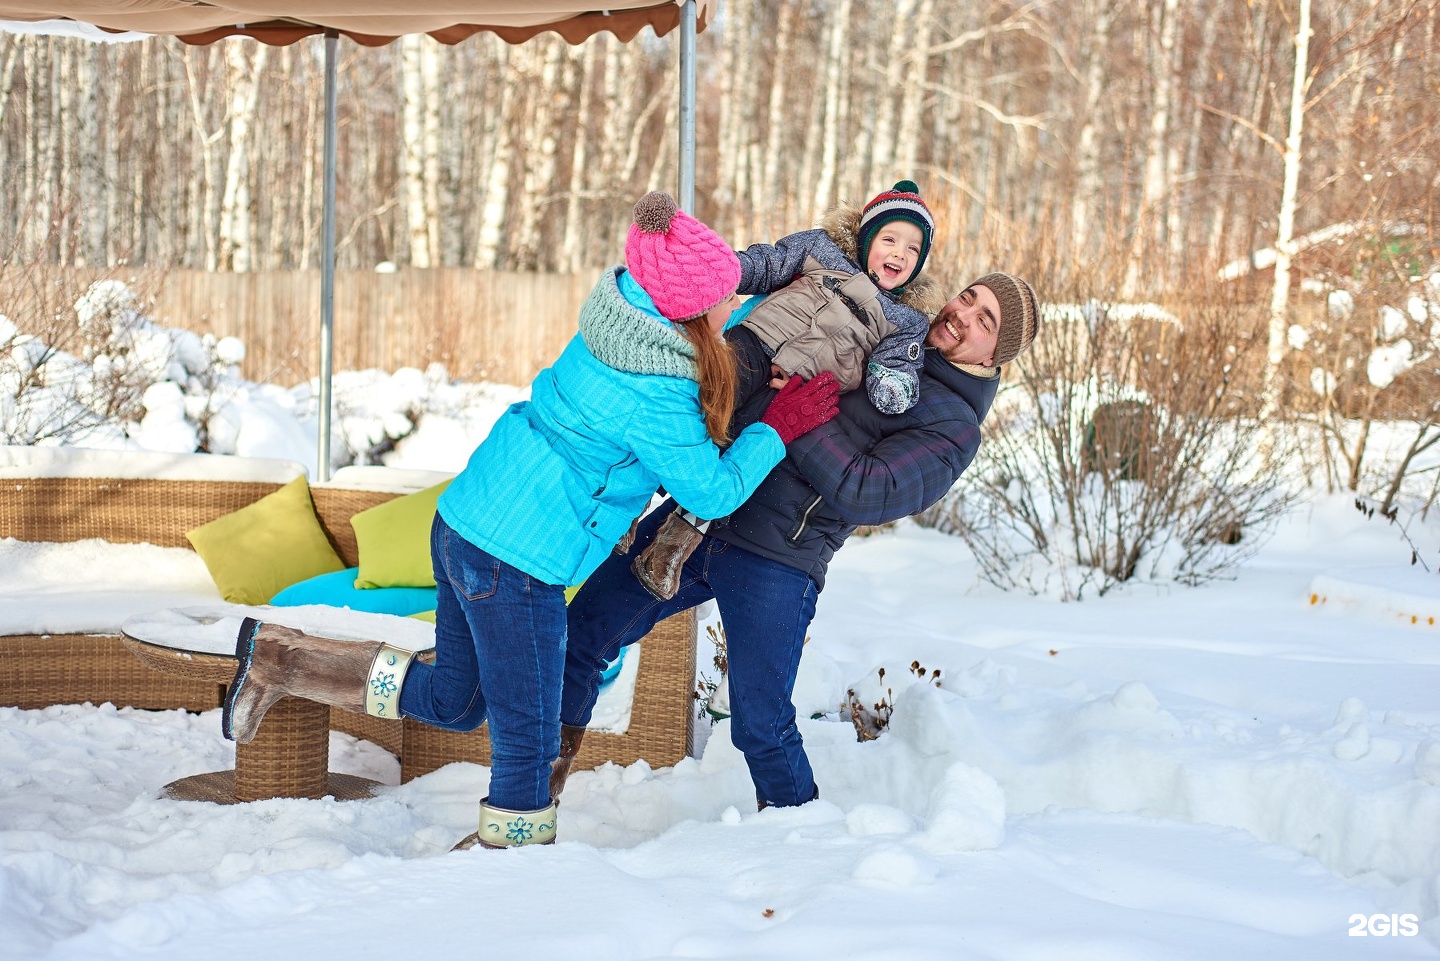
(499, 653)
(766, 607)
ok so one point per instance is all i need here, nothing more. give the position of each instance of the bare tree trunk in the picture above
(91, 202)
(1155, 188)
(1185, 232)
(835, 57)
(445, 91)
(497, 187)
(907, 138)
(9, 57)
(209, 207)
(68, 143)
(412, 146)
(430, 125)
(896, 69)
(310, 175)
(1088, 187)
(735, 109)
(665, 163)
(779, 133)
(126, 64)
(1285, 232)
(236, 222)
(572, 252)
(538, 134)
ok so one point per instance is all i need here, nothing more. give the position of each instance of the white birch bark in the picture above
(664, 164)
(446, 89)
(728, 159)
(1285, 231)
(497, 185)
(412, 150)
(113, 246)
(897, 67)
(779, 131)
(836, 46)
(68, 153)
(10, 45)
(1154, 187)
(244, 62)
(907, 137)
(541, 143)
(1088, 184)
(205, 198)
(433, 152)
(572, 250)
(92, 201)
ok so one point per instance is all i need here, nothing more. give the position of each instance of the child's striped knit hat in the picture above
(900, 202)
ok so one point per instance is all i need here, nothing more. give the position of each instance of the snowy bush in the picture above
(1121, 450)
(1372, 359)
(98, 370)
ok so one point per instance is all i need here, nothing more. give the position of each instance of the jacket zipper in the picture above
(799, 529)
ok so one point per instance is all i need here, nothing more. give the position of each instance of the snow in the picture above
(1231, 771)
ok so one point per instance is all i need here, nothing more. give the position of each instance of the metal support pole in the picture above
(687, 107)
(327, 258)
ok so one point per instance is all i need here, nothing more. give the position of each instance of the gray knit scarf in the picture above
(626, 338)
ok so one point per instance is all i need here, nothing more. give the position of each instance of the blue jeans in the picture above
(766, 607)
(499, 654)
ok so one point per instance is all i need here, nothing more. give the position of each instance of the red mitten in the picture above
(801, 407)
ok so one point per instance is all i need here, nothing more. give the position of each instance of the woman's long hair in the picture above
(715, 364)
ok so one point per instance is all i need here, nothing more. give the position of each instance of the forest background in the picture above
(1048, 136)
(1273, 162)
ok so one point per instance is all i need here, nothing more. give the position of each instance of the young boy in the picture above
(844, 297)
(846, 291)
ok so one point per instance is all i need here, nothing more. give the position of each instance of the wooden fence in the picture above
(481, 324)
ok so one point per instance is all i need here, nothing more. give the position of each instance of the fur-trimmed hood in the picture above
(842, 225)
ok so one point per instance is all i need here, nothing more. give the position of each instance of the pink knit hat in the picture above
(683, 265)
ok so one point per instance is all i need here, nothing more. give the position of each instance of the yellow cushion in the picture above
(394, 540)
(260, 550)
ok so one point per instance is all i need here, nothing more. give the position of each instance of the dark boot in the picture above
(275, 662)
(501, 828)
(570, 738)
(658, 566)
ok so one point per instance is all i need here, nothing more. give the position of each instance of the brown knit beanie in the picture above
(1019, 315)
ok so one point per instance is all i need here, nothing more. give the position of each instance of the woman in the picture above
(765, 567)
(641, 397)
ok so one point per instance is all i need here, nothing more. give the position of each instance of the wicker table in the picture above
(289, 755)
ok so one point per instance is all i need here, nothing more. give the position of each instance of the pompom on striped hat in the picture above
(900, 202)
(682, 264)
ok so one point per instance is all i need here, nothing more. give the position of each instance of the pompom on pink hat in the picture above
(683, 265)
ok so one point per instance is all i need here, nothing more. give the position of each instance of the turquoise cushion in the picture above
(612, 670)
(338, 590)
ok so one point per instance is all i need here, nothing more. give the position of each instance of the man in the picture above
(765, 566)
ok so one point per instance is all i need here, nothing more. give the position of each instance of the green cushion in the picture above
(259, 550)
(394, 540)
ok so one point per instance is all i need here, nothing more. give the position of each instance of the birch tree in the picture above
(496, 202)
(1285, 219)
(837, 48)
(1155, 187)
(236, 223)
(414, 144)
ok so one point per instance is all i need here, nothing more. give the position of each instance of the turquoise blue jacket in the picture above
(561, 476)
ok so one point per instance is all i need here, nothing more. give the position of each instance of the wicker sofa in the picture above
(38, 670)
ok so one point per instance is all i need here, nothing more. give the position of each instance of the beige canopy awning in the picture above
(368, 22)
(375, 23)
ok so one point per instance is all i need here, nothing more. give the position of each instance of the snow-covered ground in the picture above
(1223, 772)
(1249, 769)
